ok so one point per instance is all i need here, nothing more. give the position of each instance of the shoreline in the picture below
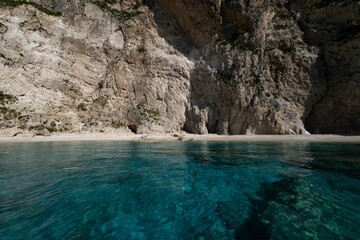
(70, 137)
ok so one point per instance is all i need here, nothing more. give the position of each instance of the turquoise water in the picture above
(179, 190)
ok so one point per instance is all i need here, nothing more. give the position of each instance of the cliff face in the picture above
(226, 67)
(334, 26)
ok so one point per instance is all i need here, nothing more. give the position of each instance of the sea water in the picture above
(179, 190)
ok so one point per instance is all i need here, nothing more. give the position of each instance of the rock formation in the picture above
(204, 66)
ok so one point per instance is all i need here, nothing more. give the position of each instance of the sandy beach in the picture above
(179, 137)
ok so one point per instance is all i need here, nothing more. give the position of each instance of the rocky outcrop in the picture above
(97, 65)
(255, 73)
(226, 67)
(334, 26)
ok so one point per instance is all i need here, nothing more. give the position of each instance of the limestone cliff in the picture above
(334, 26)
(205, 66)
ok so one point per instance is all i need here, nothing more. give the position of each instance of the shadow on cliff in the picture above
(316, 93)
(211, 101)
(169, 28)
(337, 35)
(171, 31)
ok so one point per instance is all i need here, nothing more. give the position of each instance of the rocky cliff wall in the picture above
(334, 26)
(226, 67)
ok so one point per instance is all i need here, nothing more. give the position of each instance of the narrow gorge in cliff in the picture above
(159, 66)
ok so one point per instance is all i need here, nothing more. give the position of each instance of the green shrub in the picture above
(147, 113)
(23, 118)
(137, 4)
(15, 3)
(7, 98)
(236, 39)
(110, 1)
(23, 127)
(226, 77)
(280, 27)
(117, 124)
(8, 113)
(142, 49)
(153, 113)
(289, 48)
(81, 107)
(102, 101)
(275, 95)
(41, 127)
(283, 15)
(122, 15)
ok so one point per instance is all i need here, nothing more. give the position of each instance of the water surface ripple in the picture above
(179, 190)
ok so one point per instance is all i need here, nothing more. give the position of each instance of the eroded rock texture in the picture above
(334, 26)
(205, 66)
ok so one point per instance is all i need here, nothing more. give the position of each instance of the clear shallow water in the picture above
(179, 190)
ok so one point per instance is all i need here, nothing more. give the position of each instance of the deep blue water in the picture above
(179, 190)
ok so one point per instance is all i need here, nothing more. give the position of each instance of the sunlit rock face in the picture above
(226, 67)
